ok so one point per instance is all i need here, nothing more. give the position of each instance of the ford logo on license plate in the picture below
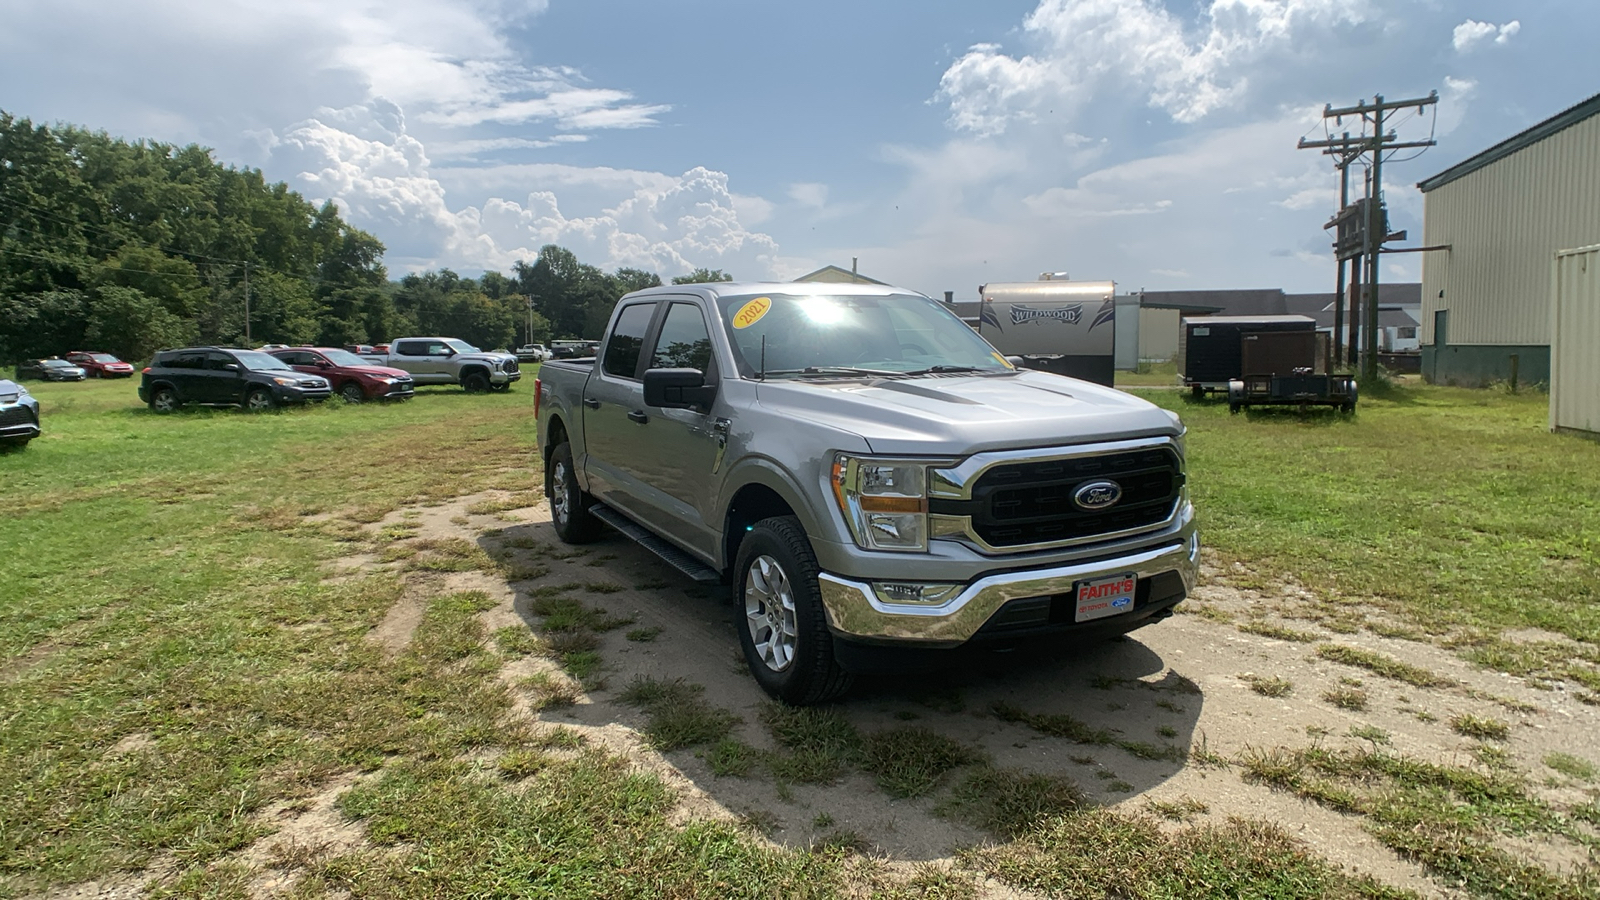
(1096, 495)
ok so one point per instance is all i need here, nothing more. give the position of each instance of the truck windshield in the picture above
(852, 335)
(462, 346)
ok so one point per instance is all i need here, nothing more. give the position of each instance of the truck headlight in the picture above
(885, 502)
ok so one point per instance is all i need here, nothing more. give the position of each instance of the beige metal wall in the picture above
(1158, 334)
(1504, 222)
(1575, 352)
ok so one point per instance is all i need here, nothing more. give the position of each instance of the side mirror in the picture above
(1015, 361)
(678, 389)
(448, 352)
(324, 364)
(231, 367)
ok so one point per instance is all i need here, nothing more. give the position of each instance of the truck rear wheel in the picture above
(569, 505)
(785, 635)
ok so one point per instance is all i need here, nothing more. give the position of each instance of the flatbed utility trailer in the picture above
(1288, 368)
(1211, 348)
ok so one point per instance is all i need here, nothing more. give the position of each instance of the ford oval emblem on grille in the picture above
(1097, 495)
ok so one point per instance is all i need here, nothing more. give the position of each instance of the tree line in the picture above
(132, 246)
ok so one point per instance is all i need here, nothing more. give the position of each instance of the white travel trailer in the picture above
(1065, 327)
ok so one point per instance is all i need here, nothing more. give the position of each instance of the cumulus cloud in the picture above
(1472, 32)
(1082, 46)
(363, 158)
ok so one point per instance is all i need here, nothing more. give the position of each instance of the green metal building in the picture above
(1504, 214)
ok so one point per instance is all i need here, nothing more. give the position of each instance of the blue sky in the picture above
(945, 144)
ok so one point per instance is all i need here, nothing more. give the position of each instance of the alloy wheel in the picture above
(769, 612)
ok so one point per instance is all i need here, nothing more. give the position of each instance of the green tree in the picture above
(130, 324)
(702, 276)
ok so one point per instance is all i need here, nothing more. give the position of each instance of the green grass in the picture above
(1450, 506)
(678, 716)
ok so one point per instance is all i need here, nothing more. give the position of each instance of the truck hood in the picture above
(485, 356)
(955, 415)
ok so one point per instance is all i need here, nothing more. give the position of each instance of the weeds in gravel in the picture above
(1278, 632)
(818, 743)
(1571, 766)
(1480, 727)
(1064, 726)
(1180, 809)
(1444, 817)
(1269, 686)
(643, 635)
(678, 716)
(1379, 664)
(912, 761)
(1353, 699)
(1010, 802)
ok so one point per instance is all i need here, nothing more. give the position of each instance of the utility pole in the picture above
(1371, 225)
(247, 340)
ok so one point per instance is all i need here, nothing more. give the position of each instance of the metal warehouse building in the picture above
(1505, 214)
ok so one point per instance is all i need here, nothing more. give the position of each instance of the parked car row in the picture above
(274, 375)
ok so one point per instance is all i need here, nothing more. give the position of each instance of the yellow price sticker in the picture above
(751, 312)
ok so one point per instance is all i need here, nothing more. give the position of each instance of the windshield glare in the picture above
(259, 362)
(58, 364)
(462, 346)
(893, 333)
(344, 358)
(103, 357)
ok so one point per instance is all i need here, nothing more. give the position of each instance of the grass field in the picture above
(175, 659)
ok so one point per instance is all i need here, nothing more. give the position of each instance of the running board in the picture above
(671, 554)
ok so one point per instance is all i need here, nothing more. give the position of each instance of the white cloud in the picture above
(1472, 32)
(810, 194)
(1086, 45)
(381, 177)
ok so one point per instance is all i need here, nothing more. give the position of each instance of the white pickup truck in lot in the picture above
(878, 485)
(439, 360)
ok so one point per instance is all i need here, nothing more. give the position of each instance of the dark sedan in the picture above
(52, 369)
(19, 414)
(352, 377)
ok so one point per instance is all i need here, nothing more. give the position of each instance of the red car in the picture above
(100, 365)
(352, 377)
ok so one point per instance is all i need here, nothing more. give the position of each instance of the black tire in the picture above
(775, 557)
(259, 400)
(352, 392)
(163, 400)
(475, 383)
(1196, 391)
(1233, 408)
(569, 505)
(503, 388)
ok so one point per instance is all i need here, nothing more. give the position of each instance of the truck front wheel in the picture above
(785, 635)
(569, 505)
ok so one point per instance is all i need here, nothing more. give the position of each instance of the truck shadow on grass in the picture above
(915, 766)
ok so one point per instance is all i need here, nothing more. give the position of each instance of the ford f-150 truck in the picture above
(435, 360)
(869, 475)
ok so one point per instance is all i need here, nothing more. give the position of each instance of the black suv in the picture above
(218, 376)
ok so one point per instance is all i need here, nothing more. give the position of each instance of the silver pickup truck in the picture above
(438, 360)
(870, 476)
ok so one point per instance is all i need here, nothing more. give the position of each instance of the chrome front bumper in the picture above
(855, 611)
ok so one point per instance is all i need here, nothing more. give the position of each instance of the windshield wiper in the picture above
(834, 370)
(943, 369)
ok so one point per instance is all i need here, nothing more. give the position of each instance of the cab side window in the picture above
(685, 343)
(218, 362)
(412, 348)
(626, 343)
(187, 361)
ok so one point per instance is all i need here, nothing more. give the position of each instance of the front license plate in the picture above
(1105, 596)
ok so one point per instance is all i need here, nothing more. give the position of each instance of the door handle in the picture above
(638, 415)
(591, 402)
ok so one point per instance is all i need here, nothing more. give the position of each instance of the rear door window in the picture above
(685, 342)
(626, 343)
(187, 361)
(412, 348)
